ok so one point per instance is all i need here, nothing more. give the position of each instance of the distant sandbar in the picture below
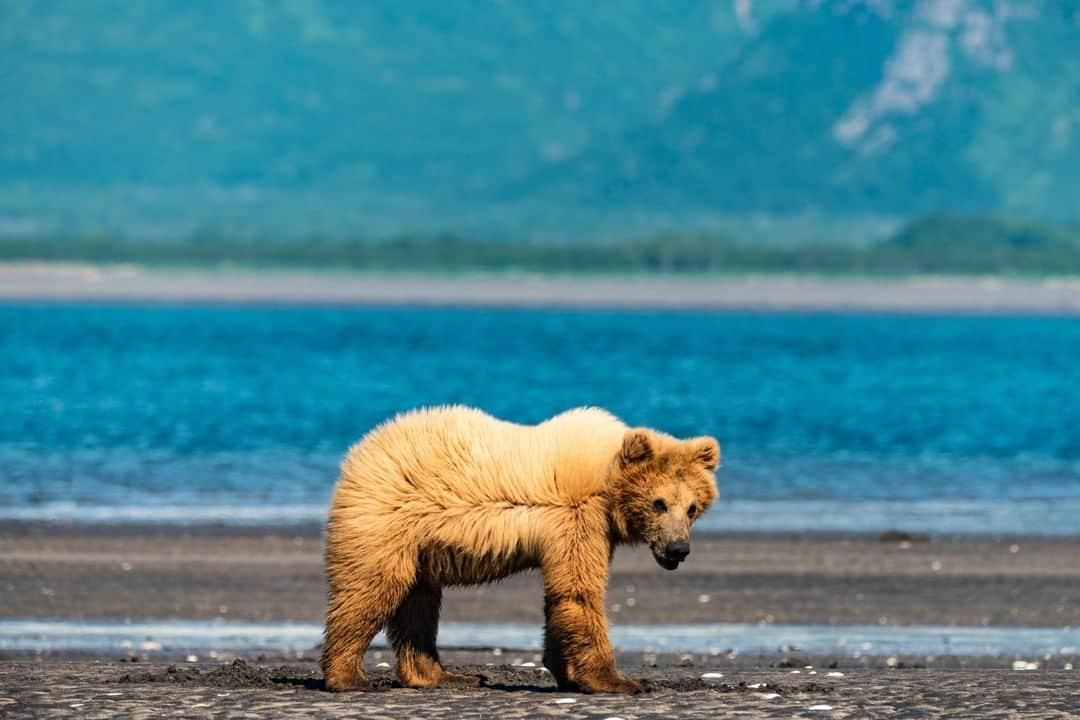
(780, 293)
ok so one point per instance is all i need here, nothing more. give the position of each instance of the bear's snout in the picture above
(669, 556)
(677, 551)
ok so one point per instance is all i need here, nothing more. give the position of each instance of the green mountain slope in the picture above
(415, 96)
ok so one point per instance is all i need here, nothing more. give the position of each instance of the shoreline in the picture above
(1049, 517)
(68, 282)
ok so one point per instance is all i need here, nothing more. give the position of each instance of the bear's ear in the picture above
(636, 447)
(706, 451)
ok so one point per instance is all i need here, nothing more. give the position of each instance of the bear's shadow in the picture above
(377, 684)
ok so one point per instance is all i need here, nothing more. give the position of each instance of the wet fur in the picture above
(453, 496)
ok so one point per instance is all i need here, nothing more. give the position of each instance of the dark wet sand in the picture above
(65, 572)
(674, 687)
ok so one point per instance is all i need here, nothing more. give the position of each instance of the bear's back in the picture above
(459, 455)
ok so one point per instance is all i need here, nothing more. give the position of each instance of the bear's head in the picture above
(660, 487)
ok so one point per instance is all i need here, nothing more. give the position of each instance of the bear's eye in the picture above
(691, 511)
(659, 505)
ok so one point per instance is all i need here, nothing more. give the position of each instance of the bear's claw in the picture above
(622, 685)
(347, 684)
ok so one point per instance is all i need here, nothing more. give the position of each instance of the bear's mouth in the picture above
(665, 562)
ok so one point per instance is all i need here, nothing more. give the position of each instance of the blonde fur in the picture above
(451, 495)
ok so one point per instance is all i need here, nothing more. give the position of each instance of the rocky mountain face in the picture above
(869, 106)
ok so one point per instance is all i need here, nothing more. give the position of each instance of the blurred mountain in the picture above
(405, 95)
(853, 107)
(681, 107)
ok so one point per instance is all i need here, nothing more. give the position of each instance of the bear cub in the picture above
(452, 496)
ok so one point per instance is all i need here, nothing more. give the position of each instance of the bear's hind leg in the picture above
(355, 616)
(412, 631)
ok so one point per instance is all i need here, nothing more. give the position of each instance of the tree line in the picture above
(934, 243)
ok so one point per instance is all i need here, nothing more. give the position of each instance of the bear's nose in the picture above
(677, 550)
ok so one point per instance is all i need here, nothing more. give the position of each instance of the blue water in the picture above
(827, 422)
(170, 636)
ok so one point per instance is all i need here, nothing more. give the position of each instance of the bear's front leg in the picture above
(577, 649)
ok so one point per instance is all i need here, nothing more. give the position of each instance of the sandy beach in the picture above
(71, 282)
(73, 572)
(205, 572)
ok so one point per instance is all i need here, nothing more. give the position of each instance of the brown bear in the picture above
(453, 496)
